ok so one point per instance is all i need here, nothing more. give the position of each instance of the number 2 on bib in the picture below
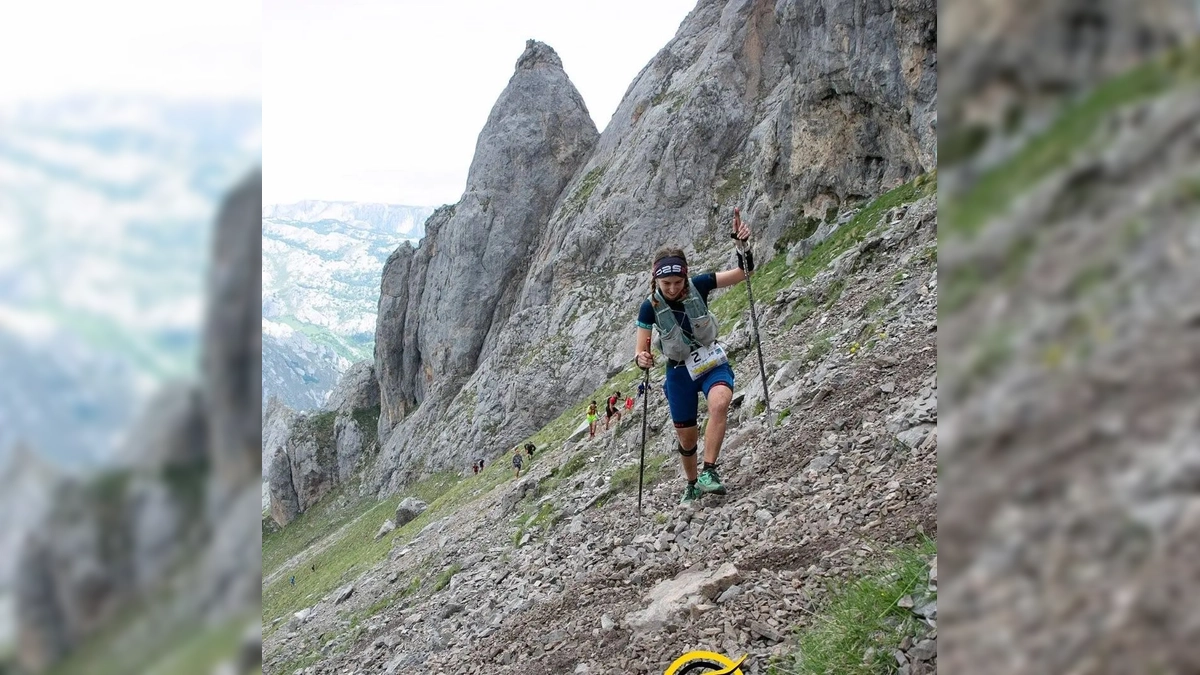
(704, 359)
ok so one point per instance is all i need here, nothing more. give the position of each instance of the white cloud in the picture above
(383, 100)
(55, 48)
(36, 328)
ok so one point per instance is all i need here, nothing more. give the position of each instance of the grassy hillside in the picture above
(1078, 126)
(338, 532)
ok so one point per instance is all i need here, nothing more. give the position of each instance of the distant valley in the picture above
(321, 265)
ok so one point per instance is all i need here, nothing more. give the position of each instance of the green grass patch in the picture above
(201, 654)
(1073, 130)
(556, 432)
(320, 426)
(1088, 278)
(1017, 260)
(186, 486)
(148, 637)
(875, 304)
(109, 489)
(137, 636)
(368, 422)
(834, 293)
(965, 283)
(627, 478)
(675, 100)
(993, 351)
(860, 625)
(804, 308)
(355, 550)
(545, 518)
(572, 466)
(732, 186)
(803, 228)
(577, 201)
(309, 527)
(388, 600)
(301, 661)
(729, 304)
(927, 257)
(783, 415)
(961, 144)
(775, 275)
(864, 222)
(1188, 190)
(820, 347)
(959, 289)
(443, 579)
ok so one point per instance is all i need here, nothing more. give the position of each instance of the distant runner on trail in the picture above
(592, 417)
(611, 409)
(696, 363)
(529, 448)
(516, 461)
(629, 403)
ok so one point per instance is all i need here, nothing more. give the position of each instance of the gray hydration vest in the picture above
(672, 341)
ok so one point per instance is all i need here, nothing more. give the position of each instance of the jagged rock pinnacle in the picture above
(538, 54)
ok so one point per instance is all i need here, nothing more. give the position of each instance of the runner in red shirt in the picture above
(610, 409)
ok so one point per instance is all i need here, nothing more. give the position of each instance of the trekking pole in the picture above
(642, 462)
(762, 369)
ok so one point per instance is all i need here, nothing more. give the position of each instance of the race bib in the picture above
(704, 359)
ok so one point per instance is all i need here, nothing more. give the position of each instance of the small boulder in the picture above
(387, 526)
(409, 509)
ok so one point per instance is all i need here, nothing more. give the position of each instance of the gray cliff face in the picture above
(308, 454)
(792, 111)
(285, 503)
(357, 390)
(536, 136)
(276, 429)
(788, 110)
(231, 565)
(442, 306)
(804, 105)
(232, 364)
(396, 353)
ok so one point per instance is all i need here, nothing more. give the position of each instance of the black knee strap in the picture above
(686, 453)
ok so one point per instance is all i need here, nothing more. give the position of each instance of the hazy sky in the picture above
(383, 100)
(56, 48)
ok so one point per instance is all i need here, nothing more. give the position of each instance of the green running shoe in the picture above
(690, 494)
(710, 482)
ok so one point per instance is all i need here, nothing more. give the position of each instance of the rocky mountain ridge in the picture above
(554, 572)
(393, 219)
(749, 104)
(818, 120)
